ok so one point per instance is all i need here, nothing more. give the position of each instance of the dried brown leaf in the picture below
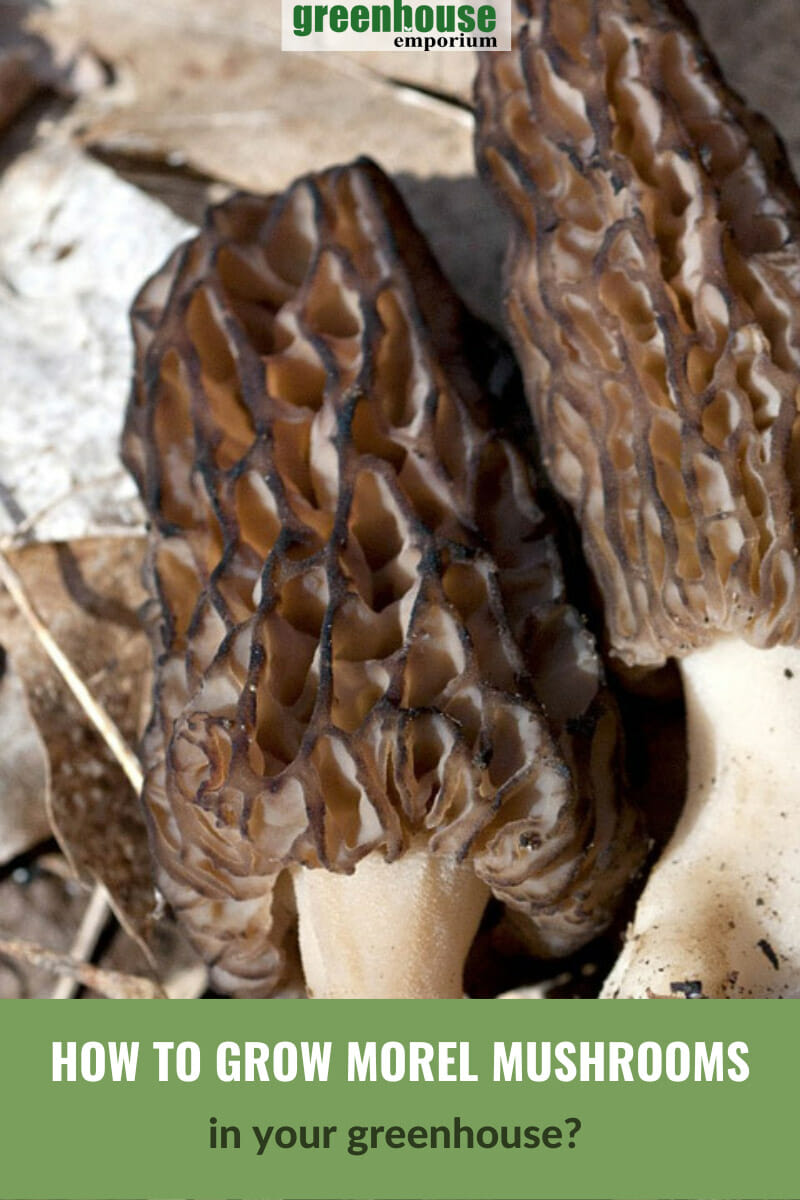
(448, 74)
(86, 593)
(24, 770)
(77, 242)
(199, 89)
(30, 64)
(271, 120)
(175, 964)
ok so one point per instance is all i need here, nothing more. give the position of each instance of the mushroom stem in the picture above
(720, 906)
(398, 930)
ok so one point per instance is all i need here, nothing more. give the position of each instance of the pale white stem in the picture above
(722, 905)
(396, 930)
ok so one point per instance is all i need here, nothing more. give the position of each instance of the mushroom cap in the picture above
(654, 301)
(358, 614)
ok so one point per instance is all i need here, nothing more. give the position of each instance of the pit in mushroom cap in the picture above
(358, 613)
(654, 300)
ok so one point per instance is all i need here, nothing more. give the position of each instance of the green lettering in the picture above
(445, 18)
(338, 18)
(466, 18)
(403, 17)
(359, 18)
(302, 20)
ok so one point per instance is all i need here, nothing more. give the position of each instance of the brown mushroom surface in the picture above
(654, 299)
(373, 706)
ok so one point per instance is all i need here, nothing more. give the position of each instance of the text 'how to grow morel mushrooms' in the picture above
(654, 299)
(373, 707)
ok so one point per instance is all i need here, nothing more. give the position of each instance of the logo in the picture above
(397, 25)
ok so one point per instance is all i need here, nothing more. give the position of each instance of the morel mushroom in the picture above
(373, 706)
(654, 299)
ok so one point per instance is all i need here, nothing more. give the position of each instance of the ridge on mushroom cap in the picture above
(358, 613)
(654, 300)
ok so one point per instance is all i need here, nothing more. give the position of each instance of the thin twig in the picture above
(92, 925)
(114, 984)
(54, 863)
(91, 707)
(98, 909)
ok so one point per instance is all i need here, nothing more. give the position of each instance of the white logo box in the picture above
(423, 25)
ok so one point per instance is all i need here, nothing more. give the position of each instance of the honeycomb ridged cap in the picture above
(653, 297)
(358, 613)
